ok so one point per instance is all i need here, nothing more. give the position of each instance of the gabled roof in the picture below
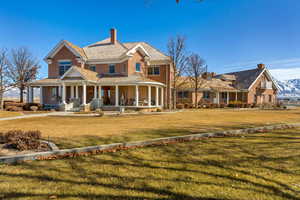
(206, 85)
(246, 79)
(77, 51)
(84, 73)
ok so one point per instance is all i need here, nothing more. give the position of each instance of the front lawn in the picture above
(84, 131)
(256, 166)
(4, 114)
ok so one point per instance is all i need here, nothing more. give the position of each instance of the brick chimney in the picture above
(261, 66)
(113, 36)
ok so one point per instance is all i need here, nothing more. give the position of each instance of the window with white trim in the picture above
(154, 70)
(64, 66)
(137, 67)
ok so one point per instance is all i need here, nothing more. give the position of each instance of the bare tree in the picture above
(195, 68)
(23, 68)
(176, 51)
(4, 81)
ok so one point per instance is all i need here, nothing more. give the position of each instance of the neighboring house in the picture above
(107, 73)
(254, 86)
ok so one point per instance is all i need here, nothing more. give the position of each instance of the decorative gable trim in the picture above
(268, 74)
(139, 48)
(58, 47)
(72, 72)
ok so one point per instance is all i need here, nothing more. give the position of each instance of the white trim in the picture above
(269, 76)
(135, 49)
(69, 70)
(106, 61)
(58, 47)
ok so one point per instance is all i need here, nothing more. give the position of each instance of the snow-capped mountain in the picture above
(289, 88)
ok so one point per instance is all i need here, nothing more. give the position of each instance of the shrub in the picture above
(180, 106)
(13, 108)
(21, 140)
(34, 108)
(99, 112)
(158, 110)
(27, 106)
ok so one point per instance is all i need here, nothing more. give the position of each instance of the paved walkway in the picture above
(72, 114)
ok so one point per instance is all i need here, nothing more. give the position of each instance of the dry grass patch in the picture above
(256, 167)
(82, 131)
(4, 114)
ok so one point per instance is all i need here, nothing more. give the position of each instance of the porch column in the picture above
(41, 95)
(84, 94)
(149, 95)
(64, 93)
(100, 94)
(76, 92)
(95, 91)
(117, 96)
(59, 91)
(236, 96)
(72, 91)
(227, 97)
(137, 95)
(218, 98)
(156, 96)
(162, 97)
(28, 94)
(31, 95)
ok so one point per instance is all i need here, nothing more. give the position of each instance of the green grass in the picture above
(256, 166)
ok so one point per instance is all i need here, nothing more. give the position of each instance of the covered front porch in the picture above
(71, 96)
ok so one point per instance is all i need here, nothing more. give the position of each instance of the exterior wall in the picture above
(63, 54)
(47, 96)
(262, 94)
(136, 58)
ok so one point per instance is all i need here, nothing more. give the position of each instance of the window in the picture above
(183, 94)
(153, 70)
(64, 66)
(53, 92)
(124, 68)
(112, 69)
(206, 95)
(138, 67)
(270, 98)
(93, 68)
(224, 95)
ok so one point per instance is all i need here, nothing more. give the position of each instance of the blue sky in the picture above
(229, 34)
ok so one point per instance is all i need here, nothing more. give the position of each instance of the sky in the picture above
(230, 35)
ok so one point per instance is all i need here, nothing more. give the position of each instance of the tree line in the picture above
(18, 67)
(185, 66)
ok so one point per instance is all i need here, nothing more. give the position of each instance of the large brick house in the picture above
(254, 86)
(107, 73)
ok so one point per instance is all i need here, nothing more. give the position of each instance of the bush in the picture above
(27, 106)
(21, 140)
(158, 110)
(99, 112)
(180, 106)
(34, 108)
(14, 108)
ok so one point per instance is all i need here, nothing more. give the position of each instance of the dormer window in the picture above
(112, 69)
(138, 67)
(64, 66)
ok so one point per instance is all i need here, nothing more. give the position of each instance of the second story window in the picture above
(138, 67)
(112, 69)
(64, 66)
(93, 68)
(153, 70)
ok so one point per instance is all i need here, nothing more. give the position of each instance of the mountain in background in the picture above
(289, 88)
